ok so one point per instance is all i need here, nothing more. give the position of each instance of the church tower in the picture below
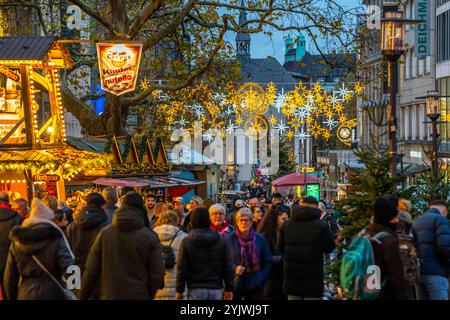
(243, 39)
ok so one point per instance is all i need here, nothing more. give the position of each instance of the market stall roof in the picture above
(147, 181)
(295, 179)
(25, 48)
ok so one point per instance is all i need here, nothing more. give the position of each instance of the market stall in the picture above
(34, 156)
(298, 184)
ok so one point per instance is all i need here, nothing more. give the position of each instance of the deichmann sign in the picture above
(46, 177)
(118, 64)
(422, 33)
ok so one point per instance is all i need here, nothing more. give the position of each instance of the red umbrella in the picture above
(295, 179)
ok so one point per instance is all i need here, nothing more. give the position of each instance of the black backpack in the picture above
(168, 254)
(410, 259)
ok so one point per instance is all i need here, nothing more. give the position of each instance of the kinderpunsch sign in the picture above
(118, 64)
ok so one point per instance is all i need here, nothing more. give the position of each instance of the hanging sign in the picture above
(422, 32)
(46, 177)
(118, 64)
(9, 73)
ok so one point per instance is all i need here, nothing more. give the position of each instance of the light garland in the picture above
(33, 104)
(59, 104)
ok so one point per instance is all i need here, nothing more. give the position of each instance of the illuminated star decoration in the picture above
(280, 100)
(182, 122)
(273, 121)
(289, 135)
(208, 137)
(144, 84)
(238, 120)
(231, 127)
(331, 123)
(302, 135)
(281, 127)
(198, 110)
(359, 88)
(229, 111)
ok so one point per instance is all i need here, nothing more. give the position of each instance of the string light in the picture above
(34, 105)
(59, 104)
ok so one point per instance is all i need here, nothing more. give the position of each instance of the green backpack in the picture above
(355, 266)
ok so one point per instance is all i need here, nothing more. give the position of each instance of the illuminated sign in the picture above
(422, 34)
(46, 177)
(9, 73)
(118, 64)
(95, 172)
(313, 189)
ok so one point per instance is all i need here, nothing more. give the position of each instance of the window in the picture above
(443, 37)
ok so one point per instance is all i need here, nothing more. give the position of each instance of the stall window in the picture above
(12, 117)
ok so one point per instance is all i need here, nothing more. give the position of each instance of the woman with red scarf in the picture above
(251, 258)
(217, 215)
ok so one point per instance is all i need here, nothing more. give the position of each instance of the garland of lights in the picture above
(315, 112)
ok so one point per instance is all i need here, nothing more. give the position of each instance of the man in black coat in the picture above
(204, 262)
(8, 220)
(303, 240)
(86, 226)
(126, 256)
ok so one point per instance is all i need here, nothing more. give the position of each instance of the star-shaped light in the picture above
(281, 127)
(295, 123)
(326, 135)
(289, 135)
(317, 87)
(343, 119)
(343, 91)
(208, 137)
(301, 113)
(359, 88)
(182, 122)
(339, 107)
(231, 127)
(279, 101)
(331, 123)
(238, 120)
(229, 111)
(302, 135)
(273, 120)
(144, 85)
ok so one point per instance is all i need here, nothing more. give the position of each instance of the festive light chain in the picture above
(34, 105)
(59, 104)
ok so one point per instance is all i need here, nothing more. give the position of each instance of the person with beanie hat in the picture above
(386, 251)
(204, 264)
(38, 238)
(86, 225)
(126, 257)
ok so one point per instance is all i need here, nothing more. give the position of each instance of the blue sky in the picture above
(263, 46)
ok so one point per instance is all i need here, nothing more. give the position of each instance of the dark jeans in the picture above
(255, 294)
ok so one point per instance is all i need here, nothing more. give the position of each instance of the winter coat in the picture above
(204, 262)
(24, 279)
(126, 258)
(387, 257)
(109, 210)
(8, 220)
(251, 280)
(433, 232)
(82, 232)
(165, 234)
(273, 288)
(303, 240)
(332, 223)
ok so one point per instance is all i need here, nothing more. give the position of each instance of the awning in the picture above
(150, 182)
(295, 179)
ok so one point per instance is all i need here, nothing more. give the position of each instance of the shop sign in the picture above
(313, 189)
(422, 32)
(95, 172)
(118, 64)
(46, 177)
(9, 73)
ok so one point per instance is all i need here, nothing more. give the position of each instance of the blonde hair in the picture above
(404, 205)
(50, 202)
(168, 217)
(161, 207)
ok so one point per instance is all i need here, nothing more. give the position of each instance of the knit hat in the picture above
(40, 211)
(96, 199)
(134, 199)
(385, 209)
(200, 219)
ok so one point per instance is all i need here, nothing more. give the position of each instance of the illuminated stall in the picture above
(34, 156)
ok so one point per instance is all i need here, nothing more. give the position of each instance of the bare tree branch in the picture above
(150, 9)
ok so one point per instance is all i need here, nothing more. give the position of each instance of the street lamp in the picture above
(392, 46)
(433, 105)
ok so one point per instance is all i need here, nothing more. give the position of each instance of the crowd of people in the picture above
(134, 247)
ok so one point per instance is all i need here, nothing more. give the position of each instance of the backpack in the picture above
(168, 254)
(409, 257)
(355, 266)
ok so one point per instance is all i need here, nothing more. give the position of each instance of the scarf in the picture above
(250, 255)
(222, 229)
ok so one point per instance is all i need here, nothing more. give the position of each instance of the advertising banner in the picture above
(118, 64)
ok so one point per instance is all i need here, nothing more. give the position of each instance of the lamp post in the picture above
(433, 105)
(392, 47)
